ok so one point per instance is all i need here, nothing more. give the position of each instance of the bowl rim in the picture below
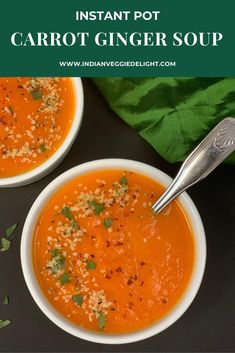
(48, 309)
(47, 166)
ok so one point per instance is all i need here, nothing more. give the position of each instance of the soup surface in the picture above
(104, 260)
(35, 117)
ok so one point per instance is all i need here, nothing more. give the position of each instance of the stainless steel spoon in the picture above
(215, 147)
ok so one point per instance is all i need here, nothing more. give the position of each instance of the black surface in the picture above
(208, 325)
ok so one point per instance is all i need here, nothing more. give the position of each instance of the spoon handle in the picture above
(215, 147)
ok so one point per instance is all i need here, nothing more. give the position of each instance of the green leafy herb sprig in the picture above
(5, 301)
(5, 244)
(7, 239)
(66, 211)
(96, 206)
(101, 320)
(36, 94)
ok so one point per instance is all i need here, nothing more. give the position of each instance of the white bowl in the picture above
(52, 313)
(52, 162)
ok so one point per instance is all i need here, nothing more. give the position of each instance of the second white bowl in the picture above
(52, 162)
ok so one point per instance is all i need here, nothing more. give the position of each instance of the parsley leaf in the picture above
(42, 148)
(5, 299)
(67, 213)
(55, 252)
(64, 278)
(108, 222)
(4, 323)
(90, 265)
(96, 206)
(123, 180)
(11, 110)
(10, 230)
(78, 299)
(36, 94)
(101, 320)
(57, 261)
(58, 265)
(5, 244)
(74, 225)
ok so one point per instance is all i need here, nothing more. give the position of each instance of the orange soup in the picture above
(104, 260)
(35, 117)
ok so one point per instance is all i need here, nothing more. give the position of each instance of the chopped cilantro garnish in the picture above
(64, 278)
(90, 265)
(36, 94)
(96, 206)
(58, 266)
(67, 213)
(11, 110)
(4, 323)
(108, 222)
(55, 252)
(10, 230)
(5, 299)
(57, 261)
(5, 244)
(42, 148)
(74, 225)
(78, 299)
(123, 180)
(101, 321)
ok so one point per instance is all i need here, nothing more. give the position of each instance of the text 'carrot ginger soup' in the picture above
(35, 117)
(104, 260)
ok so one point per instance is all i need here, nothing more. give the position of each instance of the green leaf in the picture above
(101, 321)
(42, 148)
(5, 299)
(55, 252)
(10, 230)
(58, 261)
(64, 278)
(90, 265)
(36, 94)
(96, 206)
(78, 299)
(5, 244)
(123, 180)
(67, 213)
(172, 113)
(4, 323)
(11, 110)
(108, 222)
(74, 225)
(58, 266)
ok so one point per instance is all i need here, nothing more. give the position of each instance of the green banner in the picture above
(117, 38)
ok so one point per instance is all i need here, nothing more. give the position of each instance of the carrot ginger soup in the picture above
(104, 260)
(35, 117)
